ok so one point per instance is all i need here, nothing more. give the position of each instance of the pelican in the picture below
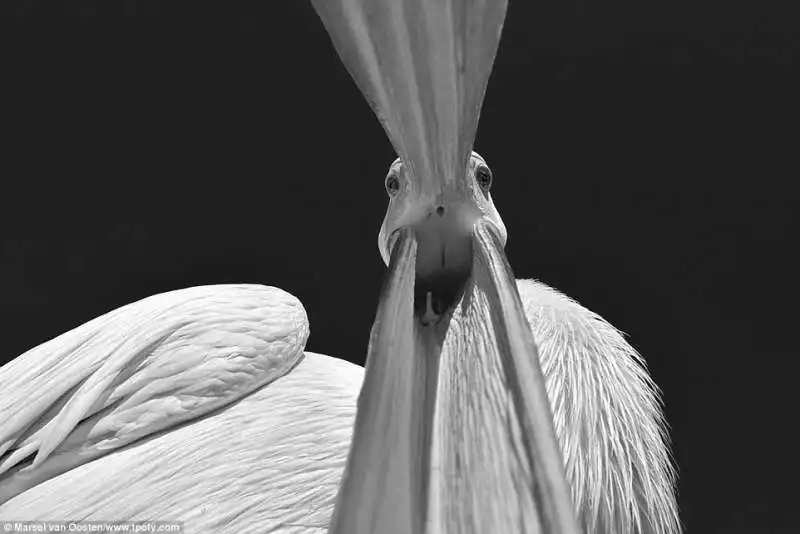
(487, 404)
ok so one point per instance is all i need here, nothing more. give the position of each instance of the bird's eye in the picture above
(484, 177)
(392, 184)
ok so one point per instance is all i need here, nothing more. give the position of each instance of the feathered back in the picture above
(607, 416)
(270, 462)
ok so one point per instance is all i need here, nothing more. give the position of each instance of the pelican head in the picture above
(442, 221)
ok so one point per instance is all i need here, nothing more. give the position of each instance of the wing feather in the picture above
(271, 462)
(138, 370)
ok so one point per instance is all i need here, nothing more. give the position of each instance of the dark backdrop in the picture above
(643, 155)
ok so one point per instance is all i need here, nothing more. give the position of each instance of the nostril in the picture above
(440, 211)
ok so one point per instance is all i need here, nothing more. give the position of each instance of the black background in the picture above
(643, 152)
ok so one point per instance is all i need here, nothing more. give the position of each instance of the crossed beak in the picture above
(454, 431)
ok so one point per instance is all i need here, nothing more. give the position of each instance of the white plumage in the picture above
(242, 433)
(607, 415)
(142, 368)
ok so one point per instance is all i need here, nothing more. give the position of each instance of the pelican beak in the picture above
(454, 431)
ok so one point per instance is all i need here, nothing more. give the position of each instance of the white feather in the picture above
(272, 461)
(139, 369)
(607, 416)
